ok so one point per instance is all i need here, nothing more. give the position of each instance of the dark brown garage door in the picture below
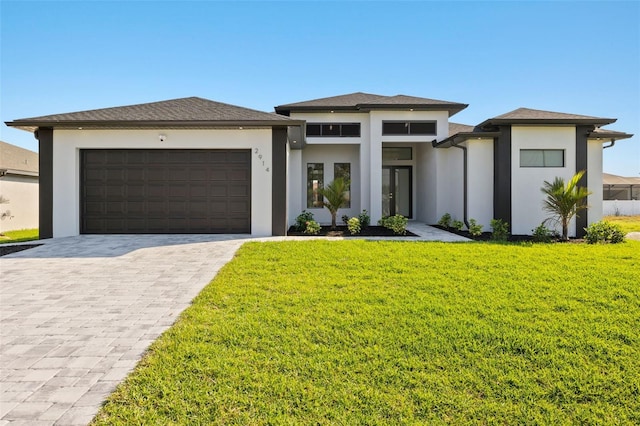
(165, 191)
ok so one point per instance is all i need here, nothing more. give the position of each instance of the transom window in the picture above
(542, 158)
(408, 127)
(396, 153)
(333, 130)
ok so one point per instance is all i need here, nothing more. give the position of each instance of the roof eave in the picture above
(15, 172)
(609, 136)
(550, 121)
(29, 125)
(458, 138)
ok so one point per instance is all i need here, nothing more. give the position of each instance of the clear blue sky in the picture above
(576, 57)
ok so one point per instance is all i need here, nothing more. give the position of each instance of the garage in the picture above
(165, 191)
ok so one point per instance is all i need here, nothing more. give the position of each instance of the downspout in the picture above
(464, 185)
(613, 142)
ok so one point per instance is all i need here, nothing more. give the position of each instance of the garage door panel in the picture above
(166, 191)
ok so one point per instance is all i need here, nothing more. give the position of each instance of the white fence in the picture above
(621, 207)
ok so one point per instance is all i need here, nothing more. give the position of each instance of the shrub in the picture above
(445, 220)
(542, 234)
(397, 223)
(474, 228)
(312, 227)
(302, 219)
(457, 225)
(499, 230)
(354, 225)
(604, 232)
(364, 218)
(345, 219)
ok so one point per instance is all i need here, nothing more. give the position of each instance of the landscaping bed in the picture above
(5, 250)
(342, 231)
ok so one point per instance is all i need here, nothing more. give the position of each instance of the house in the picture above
(18, 188)
(195, 165)
(621, 195)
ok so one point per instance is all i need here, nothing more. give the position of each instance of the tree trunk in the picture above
(565, 230)
(333, 220)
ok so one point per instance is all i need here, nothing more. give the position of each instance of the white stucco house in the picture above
(18, 188)
(192, 165)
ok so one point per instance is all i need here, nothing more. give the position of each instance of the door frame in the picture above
(392, 188)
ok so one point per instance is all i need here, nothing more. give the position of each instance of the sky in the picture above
(565, 56)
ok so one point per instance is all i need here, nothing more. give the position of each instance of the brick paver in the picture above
(76, 314)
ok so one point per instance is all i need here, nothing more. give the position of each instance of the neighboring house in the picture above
(193, 165)
(19, 187)
(621, 195)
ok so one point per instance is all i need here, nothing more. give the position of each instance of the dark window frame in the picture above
(408, 125)
(544, 166)
(319, 126)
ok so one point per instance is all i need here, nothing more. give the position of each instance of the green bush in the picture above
(345, 219)
(354, 225)
(302, 220)
(364, 218)
(474, 228)
(542, 234)
(604, 232)
(499, 230)
(397, 223)
(457, 225)
(312, 227)
(445, 220)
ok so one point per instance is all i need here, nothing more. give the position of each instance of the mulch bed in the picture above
(486, 236)
(5, 250)
(342, 231)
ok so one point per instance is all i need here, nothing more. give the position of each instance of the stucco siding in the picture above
(480, 180)
(450, 191)
(21, 212)
(66, 165)
(527, 198)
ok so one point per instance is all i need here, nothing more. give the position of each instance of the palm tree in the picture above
(335, 194)
(564, 202)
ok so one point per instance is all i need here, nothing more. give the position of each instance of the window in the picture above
(541, 158)
(334, 130)
(408, 127)
(315, 182)
(343, 170)
(396, 153)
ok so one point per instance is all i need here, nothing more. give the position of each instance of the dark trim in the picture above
(546, 121)
(502, 175)
(279, 182)
(452, 108)
(582, 135)
(45, 198)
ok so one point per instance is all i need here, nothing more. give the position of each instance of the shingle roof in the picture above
(601, 133)
(536, 116)
(455, 128)
(366, 101)
(18, 159)
(609, 179)
(192, 110)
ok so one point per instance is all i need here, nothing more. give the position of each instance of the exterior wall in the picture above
(450, 191)
(21, 212)
(327, 154)
(526, 201)
(66, 165)
(621, 207)
(480, 180)
(426, 183)
(594, 181)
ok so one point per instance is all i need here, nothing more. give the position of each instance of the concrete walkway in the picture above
(77, 314)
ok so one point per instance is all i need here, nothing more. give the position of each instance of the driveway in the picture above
(78, 313)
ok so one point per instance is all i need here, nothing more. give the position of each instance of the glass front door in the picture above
(396, 191)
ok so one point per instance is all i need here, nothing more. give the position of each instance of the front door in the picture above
(397, 191)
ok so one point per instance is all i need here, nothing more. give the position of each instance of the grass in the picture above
(19, 236)
(360, 332)
(627, 223)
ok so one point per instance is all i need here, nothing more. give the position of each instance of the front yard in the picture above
(360, 332)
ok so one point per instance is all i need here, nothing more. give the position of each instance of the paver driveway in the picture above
(78, 313)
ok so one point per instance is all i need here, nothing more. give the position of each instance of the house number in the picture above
(257, 152)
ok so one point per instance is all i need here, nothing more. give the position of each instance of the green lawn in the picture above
(361, 332)
(19, 236)
(627, 223)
